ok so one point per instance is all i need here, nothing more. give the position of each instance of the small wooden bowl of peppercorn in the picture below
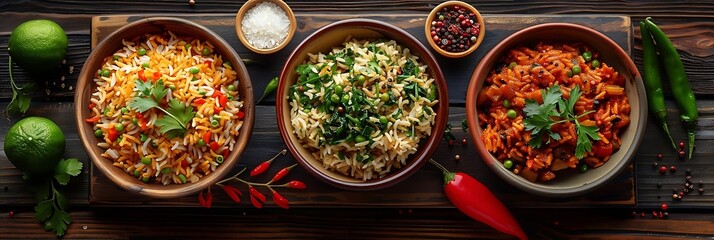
(454, 29)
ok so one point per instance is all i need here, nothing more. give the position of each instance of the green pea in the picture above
(576, 70)
(202, 92)
(506, 103)
(145, 65)
(172, 87)
(583, 167)
(106, 111)
(137, 173)
(360, 80)
(214, 123)
(124, 110)
(587, 56)
(135, 121)
(143, 137)
(360, 138)
(595, 64)
(98, 133)
(511, 113)
(166, 170)
(228, 64)
(201, 143)
(383, 119)
(119, 127)
(105, 73)
(570, 73)
(187, 46)
(194, 79)
(335, 98)
(338, 89)
(230, 97)
(182, 178)
(146, 160)
(345, 99)
(231, 87)
(512, 65)
(194, 70)
(508, 164)
(145, 179)
(141, 51)
(219, 159)
(206, 51)
(116, 57)
(384, 97)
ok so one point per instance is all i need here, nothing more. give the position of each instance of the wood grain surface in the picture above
(689, 24)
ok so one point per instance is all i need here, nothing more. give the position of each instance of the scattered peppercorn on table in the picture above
(639, 203)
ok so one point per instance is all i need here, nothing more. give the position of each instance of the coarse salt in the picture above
(265, 25)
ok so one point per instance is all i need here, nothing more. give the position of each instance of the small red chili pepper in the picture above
(232, 192)
(255, 202)
(202, 200)
(214, 146)
(207, 137)
(261, 168)
(93, 119)
(475, 200)
(92, 105)
(141, 75)
(113, 134)
(256, 193)
(199, 101)
(296, 184)
(157, 75)
(240, 115)
(282, 173)
(280, 200)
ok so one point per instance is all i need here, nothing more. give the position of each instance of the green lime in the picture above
(38, 45)
(34, 145)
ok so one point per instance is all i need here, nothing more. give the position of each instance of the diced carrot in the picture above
(93, 119)
(141, 75)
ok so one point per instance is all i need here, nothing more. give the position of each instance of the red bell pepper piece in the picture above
(207, 137)
(141, 75)
(475, 200)
(217, 110)
(113, 134)
(94, 119)
(199, 101)
(240, 115)
(157, 75)
(92, 105)
(142, 121)
(214, 146)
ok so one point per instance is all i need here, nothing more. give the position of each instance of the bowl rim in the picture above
(432, 14)
(239, 23)
(156, 190)
(541, 189)
(417, 160)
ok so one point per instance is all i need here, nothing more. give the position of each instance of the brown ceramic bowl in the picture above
(239, 25)
(567, 182)
(433, 16)
(85, 86)
(323, 40)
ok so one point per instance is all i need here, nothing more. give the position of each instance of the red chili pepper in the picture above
(157, 75)
(202, 200)
(280, 200)
(282, 173)
(256, 193)
(232, 192)
(113, 134)
(93, 119)
(199, 101)
(255, 202)
(261, 168)
(296, 184)
(141, 75)
(92, 105)
(240, 115)
(207, 137)
(475, 200)
(214, 146)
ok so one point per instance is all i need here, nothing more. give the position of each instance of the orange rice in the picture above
(525, 73)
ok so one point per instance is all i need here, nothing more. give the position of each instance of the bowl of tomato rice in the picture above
(557, 109)
(164, 107)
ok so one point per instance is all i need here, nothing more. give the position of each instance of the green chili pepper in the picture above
(653, 82)
(270, 88)
(683, 94)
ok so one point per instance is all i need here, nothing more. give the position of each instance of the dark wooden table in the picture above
(607, 213)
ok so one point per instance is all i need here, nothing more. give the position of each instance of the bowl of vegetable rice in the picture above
(361, 104)
(164, 107)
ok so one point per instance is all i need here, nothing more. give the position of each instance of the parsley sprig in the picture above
(52, 205)
(150, 95)
(20, 101)
(541, 117)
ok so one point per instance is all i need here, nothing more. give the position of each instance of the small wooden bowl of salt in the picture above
(265, 26)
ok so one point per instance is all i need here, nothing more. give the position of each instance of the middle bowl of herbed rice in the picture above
(361, 104)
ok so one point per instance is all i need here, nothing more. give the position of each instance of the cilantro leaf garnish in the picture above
(20, 101)
(52, 205)
(149, 97)
(541, 117)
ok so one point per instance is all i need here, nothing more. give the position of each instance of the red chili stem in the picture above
(261, 168)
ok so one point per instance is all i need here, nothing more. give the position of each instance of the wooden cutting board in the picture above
(423, 189)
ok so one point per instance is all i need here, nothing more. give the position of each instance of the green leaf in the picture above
(179, 117)
(62, 178)
(74, 166)
(142, 104)
(62, 201)
(67, 168)
(40, 187)
(159, 91)
(144, 88)
(58, 222)
(44, 210)
(574, 95)
(584, 145)
(181, 112)
(23, 102)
